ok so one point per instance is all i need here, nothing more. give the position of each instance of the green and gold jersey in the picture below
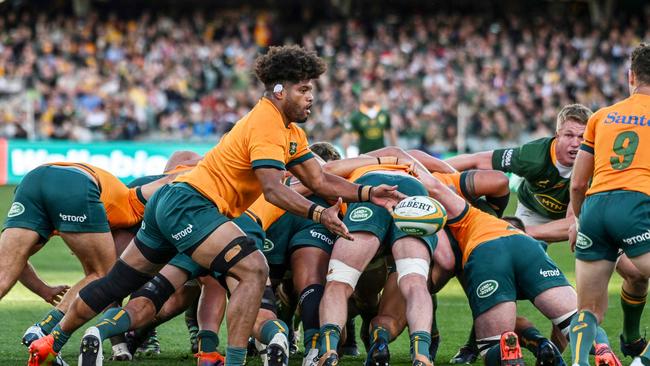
(370, 130)
(545, 187)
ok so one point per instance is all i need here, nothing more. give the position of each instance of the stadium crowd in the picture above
(159, 77)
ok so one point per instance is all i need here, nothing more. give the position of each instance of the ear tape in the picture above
(277, 88)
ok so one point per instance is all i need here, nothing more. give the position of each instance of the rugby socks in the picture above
(435, 333)
(60, 338)
(115, 321)
(420, 343)
(271, 328)
(208, 341)
(330, 335)
(493, 356)
(632, 306)
(499, 204)
(531, 338)
(601, 337)
(310, 339)
(235, 356)
(378, 332)
(308, 303)
(51, 319)
(582, 334)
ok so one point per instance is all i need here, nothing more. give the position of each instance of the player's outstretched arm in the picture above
(453, 203)
(433, 164)
(551, 232)
(345, 167)
(51, 294)
(286, 198)
(330, 186)
(481, 160)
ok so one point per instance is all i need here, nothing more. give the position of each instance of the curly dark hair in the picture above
(641, 63)
(325, 151)
(288, 63)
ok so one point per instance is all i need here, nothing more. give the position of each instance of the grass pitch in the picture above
(20, 308)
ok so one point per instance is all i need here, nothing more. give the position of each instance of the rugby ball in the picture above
(419, 215)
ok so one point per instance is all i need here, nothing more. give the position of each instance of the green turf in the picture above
(20, 308)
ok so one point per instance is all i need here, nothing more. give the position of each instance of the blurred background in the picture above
(124, 82)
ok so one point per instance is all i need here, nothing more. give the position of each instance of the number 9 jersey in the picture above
(619, 138)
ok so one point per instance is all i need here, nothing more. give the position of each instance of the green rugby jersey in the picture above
(370, 130)
(543, 189)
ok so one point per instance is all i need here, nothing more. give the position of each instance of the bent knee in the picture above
(255, 265)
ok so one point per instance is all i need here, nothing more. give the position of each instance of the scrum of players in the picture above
(268, 231)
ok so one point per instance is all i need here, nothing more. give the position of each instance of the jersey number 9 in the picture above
(625, 146)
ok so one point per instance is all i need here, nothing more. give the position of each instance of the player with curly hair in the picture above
(193, 214)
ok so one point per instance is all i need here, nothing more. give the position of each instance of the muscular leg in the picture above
(252, 272)
(210, 313)
(309, 267)
(348, 260)
(634, 292)
(592, 279)
(490, 325)
(412, 262)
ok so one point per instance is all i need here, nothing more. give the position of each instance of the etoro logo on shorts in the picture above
(183, 233)
(360, 214)
(16, 209)
(583, 241)
(487, 288)
(72, 218)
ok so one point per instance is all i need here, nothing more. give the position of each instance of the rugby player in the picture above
(612, 211)
(83, 214)
(193, 214)
(500, 264)
(372, 228)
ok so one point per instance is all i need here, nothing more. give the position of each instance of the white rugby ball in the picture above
(419, 215)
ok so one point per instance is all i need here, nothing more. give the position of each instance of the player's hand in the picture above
(573, 236)
(54, 294)
(330, 219)
(386, 196)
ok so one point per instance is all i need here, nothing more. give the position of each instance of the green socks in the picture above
(584, 326)
(208, 341)
(493, 356)
(632, 309)
(51, 319)
(378, 332)
(271, 328)
(310, 339)
(420, 343)
(115, 321)
(60, 338)
(235, 356)
(330, 335)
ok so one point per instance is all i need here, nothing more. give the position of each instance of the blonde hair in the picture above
(574, 112)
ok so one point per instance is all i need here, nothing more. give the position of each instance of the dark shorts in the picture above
(194, 270)
(614, 220)
(291, 232)
(178, 217)
(507, 269)
(57, 198)
(368, 217)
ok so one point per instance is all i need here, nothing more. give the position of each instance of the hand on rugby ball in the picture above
(330, 219)
(387, 196)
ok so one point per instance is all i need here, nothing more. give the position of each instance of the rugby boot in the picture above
(277, 352)
(510, 350)
(605, 356)
(548, 355)
(329, 359)
(378, 354)
(121, 352)
(422, 361)
(31, 334)
(466, 354)
(91, 352)
(151, 345)
(41, 353)
(631, 349)
(311, 357)
(209, 359)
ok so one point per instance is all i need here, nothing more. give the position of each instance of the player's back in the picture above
(619, 138)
